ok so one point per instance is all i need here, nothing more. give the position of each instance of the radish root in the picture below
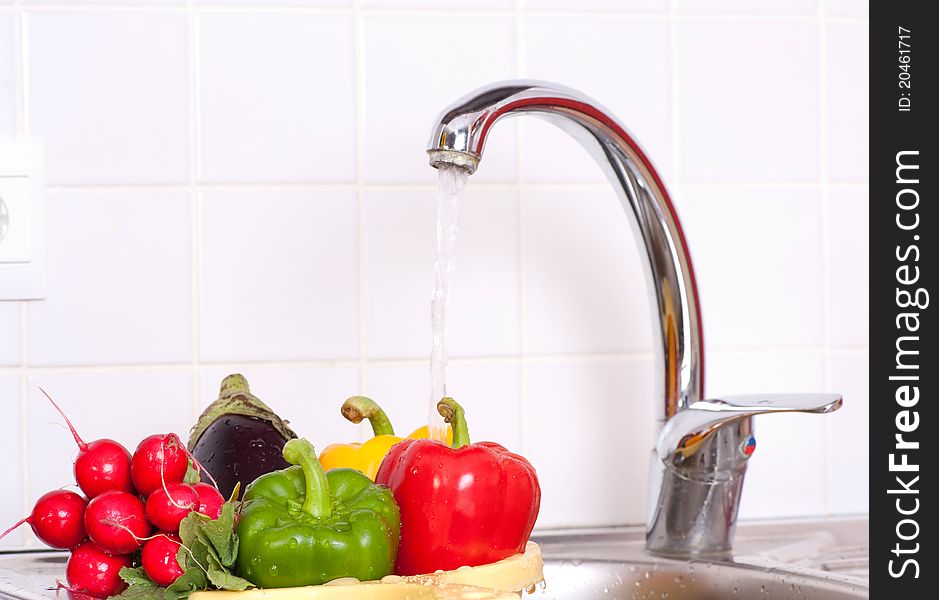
(18, 523)
(78, 440)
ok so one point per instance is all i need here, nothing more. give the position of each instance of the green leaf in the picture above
(222, 579)
(192, 473)
(220, 535)
(189, 527)
(191, 581)
(209, 549)
(234, 493)
(135, 576)
(139, 586)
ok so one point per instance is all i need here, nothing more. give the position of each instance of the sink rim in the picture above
(848, 531)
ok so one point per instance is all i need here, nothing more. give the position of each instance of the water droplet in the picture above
(414, 470)
(293, 543)
(273, 571)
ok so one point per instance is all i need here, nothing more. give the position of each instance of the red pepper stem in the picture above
(357, 408)
(316, 502)
(453, 414)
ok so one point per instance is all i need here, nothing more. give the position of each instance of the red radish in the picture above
(57, 519)
(116, 522)
(168, 506)
(102, 465)
(91, 571)
(158, 460)
(210, 500)
(159, 559)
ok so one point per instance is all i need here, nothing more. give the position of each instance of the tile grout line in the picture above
(413, 360)
(416, 186)
(456, 12)
(826, 243)
(417, 361)
(195, 206)
(358, 53)
(521, 233)
(22, 128)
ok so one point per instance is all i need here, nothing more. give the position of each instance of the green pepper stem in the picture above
(453, 414)
(357, 408)
(234, 384)
(316, 501)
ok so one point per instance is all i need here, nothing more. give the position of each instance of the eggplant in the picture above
(238, 438)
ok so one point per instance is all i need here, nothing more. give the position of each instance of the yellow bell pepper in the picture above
(367, 456)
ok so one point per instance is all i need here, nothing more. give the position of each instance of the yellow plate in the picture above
(503, 580)
(513, 574)
(370, 590)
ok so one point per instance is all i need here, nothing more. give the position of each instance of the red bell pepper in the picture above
(469, 504)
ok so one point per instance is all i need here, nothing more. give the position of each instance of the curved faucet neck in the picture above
(697, 471)
(459, 137)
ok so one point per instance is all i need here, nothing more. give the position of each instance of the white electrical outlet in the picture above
(22, 222)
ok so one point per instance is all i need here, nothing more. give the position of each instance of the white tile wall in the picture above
(778, 7)
(12, 509)
(847, 8)
(475, 4)
(107, 93)
(240, 186)
(250, 60)
(848, 302)
(757, 121)
(258, 302)
(848, 478)
(276, 3)
(847, 105)
(491, 390)
(483, 316)
(407, 82)
(10, 328)
(552, 155)
(758, 258)
(579, 415)
(584, 282)
(119, 280)
(7, 75)
(639, 6)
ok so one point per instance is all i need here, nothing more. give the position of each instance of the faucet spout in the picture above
(459, 138)
(697, 468)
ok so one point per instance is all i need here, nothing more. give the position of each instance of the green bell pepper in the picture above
(303, 526)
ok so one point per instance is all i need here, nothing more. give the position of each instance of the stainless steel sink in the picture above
(794, 560)
(798, 560)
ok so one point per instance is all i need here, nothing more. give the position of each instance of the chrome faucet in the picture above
(699, 461)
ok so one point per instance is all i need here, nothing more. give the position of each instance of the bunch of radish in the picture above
(129, 514)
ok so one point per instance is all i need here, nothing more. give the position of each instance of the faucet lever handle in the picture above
(683, 434)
